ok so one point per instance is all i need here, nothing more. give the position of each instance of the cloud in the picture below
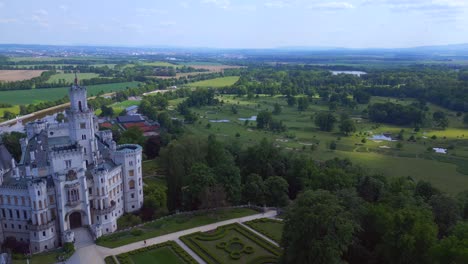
(435, 8)
(64, 8)
(224, 4)
(332, 6)
(276, 4)
(8, 20)
(148, 12)
(184, 4)
(167, 23)
(40, 17)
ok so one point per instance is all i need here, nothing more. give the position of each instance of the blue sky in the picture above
(235, 23)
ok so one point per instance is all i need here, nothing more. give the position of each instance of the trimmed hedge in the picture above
(125, 258)
(193, 241)
(109, 260)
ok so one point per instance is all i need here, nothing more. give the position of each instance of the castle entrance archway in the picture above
(75, 220)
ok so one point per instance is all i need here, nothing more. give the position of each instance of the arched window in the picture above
(131, 184)
(40, 204)
(79, 106)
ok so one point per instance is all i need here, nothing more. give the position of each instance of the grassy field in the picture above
(119, 107)
(271, 228)
(216, 82)
(70, 77)
(447, 172)
(172, 224)
(232, 244)
(14, 109)
(163, 255)
(49, 94)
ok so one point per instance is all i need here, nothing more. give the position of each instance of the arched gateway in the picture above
(75, 220)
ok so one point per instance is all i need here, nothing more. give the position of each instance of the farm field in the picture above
(49, 94)
(232, 244)
(449, 172)
(216, 82)
(70, 77)
(18, 75)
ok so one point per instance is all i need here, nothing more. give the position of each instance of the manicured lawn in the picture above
(172, 224)
(165, 253)
(49, 94)
(232, 244)
(271, 228)
(158, 256)
(42, 258)
(216, 82)
(70, 77)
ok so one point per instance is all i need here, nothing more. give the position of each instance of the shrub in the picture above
(136, 232)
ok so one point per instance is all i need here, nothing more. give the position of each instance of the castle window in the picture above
(131, 173)
(130, 163)
(8, 199)
(12, 226)
(83, 125)
(22, 200)
(68, 164)
(90, 190)
(3, 212)
(19, 226)
(132, 195)
(105, 217)
(11, 213)
(17, 214)
(131, 185)
(84, 150)
(43, 233)
(16, 200)
(5, 225)
(83, 137)
(25, 215)
(51, 199)
(40, 204)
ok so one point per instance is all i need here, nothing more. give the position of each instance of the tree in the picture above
(152, 146)
(425, 190)
(292, 101)
(107, 111)
(441, 120)
(370, 188)
(302, 104)
(133, 135)
(317, 229)
(465, 119)
(347, 125)
(253, 190)
(201, 178)
(264, 119)
(276, 191)
(277, 109)
(60, 117)
(454, 248)
(8, 115)
(325, 121)
(446, 212)
(12, 143)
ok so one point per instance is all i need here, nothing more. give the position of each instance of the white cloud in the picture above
(276, 4)
(147, 12)
(332, 6)
(224, 4)
(8, 20)
(64, 8)
(184, 4)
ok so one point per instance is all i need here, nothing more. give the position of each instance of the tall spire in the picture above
(76, 79)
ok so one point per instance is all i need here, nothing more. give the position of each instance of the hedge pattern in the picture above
(109, 260)
(193, 242)
(253, 224)
(125, 258)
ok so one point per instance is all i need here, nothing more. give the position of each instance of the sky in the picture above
(236, 23)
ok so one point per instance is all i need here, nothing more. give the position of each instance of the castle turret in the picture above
(81, 122)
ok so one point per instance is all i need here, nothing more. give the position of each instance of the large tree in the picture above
(276, 191)
(317, 229)
(325, 121)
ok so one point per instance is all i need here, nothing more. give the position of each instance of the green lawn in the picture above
(447, 172)
(271, 228)
(42, 258)
(70, 77)
(163, 255)
(232, 244)
(216, 82)
(49, 94)
(172, 224)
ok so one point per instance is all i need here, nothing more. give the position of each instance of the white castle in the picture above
(70, 175)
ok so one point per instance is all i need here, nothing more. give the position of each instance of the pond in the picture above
(252, 118)
(220, 121)
(381, 137)
(357, 73)
(440, 150)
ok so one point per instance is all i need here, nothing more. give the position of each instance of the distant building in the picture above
(132, 110)
(70, 175)
(130, 119)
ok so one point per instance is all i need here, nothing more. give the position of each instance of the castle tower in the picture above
(81, 122)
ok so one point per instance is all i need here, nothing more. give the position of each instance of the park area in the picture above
(232, 244)
(18, 75)
(413, 158)
(216, 82)
(271, 228)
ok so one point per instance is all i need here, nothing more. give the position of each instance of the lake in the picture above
(357, 73)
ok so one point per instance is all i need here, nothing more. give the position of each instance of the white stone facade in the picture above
(70, 175)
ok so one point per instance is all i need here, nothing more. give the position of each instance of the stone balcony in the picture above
(50, 224)
(73, 203)
(104, 211)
